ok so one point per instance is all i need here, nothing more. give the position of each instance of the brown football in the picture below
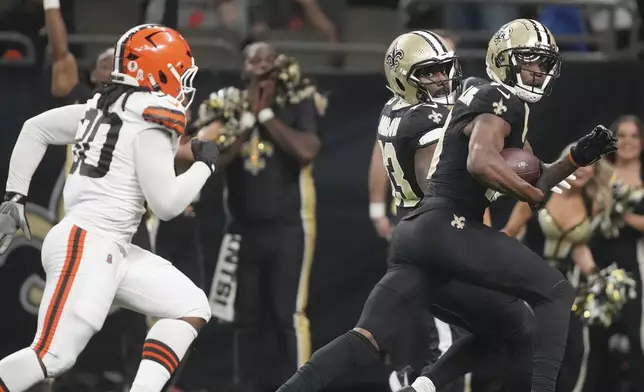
(526, 165)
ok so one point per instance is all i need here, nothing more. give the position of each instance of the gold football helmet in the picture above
(523, 55)
(412, 62)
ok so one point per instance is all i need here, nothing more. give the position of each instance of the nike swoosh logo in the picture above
(506, 95)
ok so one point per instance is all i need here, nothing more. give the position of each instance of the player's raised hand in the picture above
(205, 151)
(266, 94)
(590, 148)
(12, 218)
(383, 227)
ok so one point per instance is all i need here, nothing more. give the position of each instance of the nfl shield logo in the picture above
(109, 258)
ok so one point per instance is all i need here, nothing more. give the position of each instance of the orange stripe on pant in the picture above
(63, 287)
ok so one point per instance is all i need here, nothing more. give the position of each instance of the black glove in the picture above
(12, 218)
(590, 148)
(205, 151)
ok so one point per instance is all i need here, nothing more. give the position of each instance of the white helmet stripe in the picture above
(120, 49)
(435, 43)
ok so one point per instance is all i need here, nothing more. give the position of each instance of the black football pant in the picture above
(393, 315)
(572, 375)
(450, 244)
(272, 292)
(431, 343)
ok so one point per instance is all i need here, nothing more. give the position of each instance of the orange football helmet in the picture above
(156, 57)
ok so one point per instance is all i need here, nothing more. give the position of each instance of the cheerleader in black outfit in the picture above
(620, 241)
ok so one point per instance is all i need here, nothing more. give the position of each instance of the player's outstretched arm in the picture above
(586, 151)
(54, 127)
(487, 135)
(167, 195)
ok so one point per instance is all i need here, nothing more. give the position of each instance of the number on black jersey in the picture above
(110, 126)
(468, 95)
(402, 189)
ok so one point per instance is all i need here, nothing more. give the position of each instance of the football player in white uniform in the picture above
(125, 139)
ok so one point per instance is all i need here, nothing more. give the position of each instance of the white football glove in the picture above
(12, 218)
(559, 188)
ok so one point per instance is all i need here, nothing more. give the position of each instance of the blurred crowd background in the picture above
(349, 33)
(340, 44)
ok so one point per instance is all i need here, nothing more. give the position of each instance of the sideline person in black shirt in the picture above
(266, 256)
(271, 201)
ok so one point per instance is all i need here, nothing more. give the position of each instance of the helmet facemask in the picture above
(187, 92)
(543, 64)
(445, 91)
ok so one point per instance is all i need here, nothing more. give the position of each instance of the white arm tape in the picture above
(377, 210)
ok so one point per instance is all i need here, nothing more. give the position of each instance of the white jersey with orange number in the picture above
(120, 160)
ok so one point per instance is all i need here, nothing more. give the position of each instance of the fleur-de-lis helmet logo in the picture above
(393, 58)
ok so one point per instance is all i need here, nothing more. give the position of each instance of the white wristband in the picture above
(51, 4)
(377, 210)
(265, 114)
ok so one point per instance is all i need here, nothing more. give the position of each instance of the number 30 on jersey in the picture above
(91, 158)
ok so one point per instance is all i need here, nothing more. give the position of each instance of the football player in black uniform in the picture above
(410, 125)
(443, 256)
(523, 61)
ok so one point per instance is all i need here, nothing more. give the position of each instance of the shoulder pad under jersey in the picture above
(424, 123)
(492, 98)
(160, 109)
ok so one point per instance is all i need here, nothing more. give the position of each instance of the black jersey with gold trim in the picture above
(401, 131)
(448, 173)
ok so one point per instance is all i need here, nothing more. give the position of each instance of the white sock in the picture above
(163, 350)
(423, 384)
(20, 371)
